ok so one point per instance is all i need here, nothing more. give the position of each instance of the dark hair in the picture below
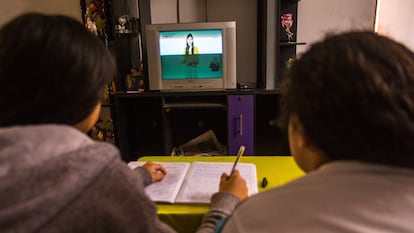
(186, 44)
(52, 70)
(354, 94)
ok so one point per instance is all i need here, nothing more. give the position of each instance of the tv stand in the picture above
(153, 123)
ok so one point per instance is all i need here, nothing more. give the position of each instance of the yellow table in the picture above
(278, 170)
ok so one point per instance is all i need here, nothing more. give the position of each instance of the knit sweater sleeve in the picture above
(144, 175)
(222, 205)
(129, 201)
(114, 202)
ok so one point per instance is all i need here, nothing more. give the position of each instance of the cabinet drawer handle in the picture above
(241, 125)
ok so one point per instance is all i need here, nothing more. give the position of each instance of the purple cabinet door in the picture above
(240, 123)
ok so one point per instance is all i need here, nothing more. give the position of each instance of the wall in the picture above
(164, 11)
(12, 8)
(395, 19)
(316, 18)
(182, 11)
(245, 14)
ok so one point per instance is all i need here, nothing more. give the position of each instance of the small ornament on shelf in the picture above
(289, 62)
(122, 27)
(135, 81)
(127, 26)
(103, 130)
(287, 23)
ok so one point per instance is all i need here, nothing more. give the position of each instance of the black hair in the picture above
(186, 44)
(353, 93)
(52, 70)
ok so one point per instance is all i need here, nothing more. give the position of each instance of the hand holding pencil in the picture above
(234, 183)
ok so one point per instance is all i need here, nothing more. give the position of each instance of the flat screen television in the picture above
(191, 56)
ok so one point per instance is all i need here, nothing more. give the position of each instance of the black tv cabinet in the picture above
(152, 123)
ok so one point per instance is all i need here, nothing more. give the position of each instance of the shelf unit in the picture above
(275, 51)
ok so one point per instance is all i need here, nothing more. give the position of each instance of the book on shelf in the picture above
(195, 182)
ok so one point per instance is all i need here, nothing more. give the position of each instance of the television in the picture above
(191, 56)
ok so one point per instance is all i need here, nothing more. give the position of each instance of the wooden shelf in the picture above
(291, 43)
(193, 105)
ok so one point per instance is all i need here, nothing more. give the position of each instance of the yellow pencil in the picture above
(239, 154)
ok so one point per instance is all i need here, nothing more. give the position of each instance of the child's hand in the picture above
(156, 170)
(234, 184)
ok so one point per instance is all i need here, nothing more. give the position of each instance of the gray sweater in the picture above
(56, 179)
(341, 196)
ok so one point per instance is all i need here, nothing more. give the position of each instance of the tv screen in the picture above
(192, 56)
(200, 57)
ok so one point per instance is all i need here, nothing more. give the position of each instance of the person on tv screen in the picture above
(190, 57)
(215, 65)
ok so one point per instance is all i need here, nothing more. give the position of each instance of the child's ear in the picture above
(308, 156)
(298, 130)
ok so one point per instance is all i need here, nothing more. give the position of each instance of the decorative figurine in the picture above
(287, 23)
(121, 27)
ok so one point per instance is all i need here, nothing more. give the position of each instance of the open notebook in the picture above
(195, 182)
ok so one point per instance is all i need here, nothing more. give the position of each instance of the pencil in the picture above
(239, 154)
